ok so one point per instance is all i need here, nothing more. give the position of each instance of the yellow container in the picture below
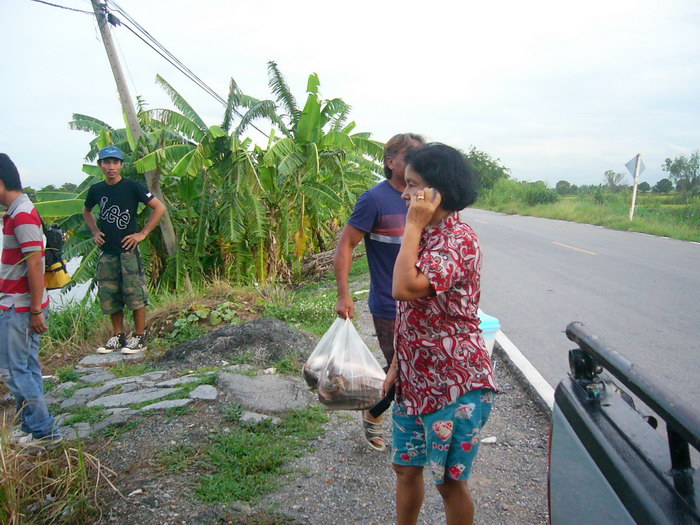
(56, 276)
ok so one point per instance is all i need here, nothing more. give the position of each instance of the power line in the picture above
(64, 7)
(150, 37)
(156, 46)
(159, 48)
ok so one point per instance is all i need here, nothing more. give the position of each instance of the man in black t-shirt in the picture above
(120, 277)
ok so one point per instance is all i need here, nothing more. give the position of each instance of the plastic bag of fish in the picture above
(342, 368)
(319, 357)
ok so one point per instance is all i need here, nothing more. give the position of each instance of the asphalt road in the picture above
(639, 293)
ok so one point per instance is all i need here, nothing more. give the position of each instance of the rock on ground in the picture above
(110, 359)
(206, 392)
(266, 393)
(265, 341)
(131, 398)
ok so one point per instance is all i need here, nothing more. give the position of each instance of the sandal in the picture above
(373, 435)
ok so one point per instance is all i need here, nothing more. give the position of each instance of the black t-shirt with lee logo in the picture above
(118, 206)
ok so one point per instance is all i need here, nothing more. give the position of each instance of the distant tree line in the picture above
(683, 177)
(66, 187)
(564, 187)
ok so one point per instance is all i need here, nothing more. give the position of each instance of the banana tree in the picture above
(246, 211)
(213, 173)
(320, 168)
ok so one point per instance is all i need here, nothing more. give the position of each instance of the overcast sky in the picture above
(555, 89)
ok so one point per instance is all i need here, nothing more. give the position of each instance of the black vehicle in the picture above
(609, 462)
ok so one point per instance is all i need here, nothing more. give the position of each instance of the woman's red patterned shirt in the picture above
(441, 354)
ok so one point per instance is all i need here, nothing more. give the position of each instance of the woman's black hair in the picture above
(448, 171)
(9, 174)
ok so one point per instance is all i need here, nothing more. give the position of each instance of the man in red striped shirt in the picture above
(23, 309)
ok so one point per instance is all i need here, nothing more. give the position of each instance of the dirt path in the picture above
(344, 482)
(340, 481)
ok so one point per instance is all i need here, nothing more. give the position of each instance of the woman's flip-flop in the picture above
(374, 435)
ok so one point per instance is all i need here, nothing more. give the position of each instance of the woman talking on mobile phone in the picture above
(441, 368)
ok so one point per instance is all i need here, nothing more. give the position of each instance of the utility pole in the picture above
(152, 177)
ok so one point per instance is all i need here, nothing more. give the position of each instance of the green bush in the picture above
(507, 192)
(504, 191)
(537, 193)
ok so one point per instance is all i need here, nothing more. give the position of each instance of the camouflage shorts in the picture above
(121, 282)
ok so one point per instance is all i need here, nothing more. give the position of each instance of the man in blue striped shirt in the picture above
(379, 217)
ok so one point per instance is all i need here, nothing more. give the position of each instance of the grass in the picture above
(178, 458)
(57, 486)
(175, 395)
(185, 389)
(114, 431)
(653, 214)
(312, 311)
(289, 366)
(233, 413)
(240, 465)
(312, 306)
(72, 327)
(178, 411)
(85, 414)
(126, 369)
(67, 373)
(247, 463)
(68, 392)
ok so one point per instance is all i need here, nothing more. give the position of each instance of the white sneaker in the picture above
(135, 344)
(44, 442)
(113, 343)
(17, 433)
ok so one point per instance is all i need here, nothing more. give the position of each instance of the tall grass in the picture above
(652, 215)
(72, 326)
(40, 487)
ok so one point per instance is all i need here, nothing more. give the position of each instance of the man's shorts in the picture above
(121, 282)
(447, 440)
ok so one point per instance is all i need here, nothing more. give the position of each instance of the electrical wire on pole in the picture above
(142, 34)
(161, 50)
(63, 7)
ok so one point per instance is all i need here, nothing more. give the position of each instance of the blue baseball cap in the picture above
(110, 152)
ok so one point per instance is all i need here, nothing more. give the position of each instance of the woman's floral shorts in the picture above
(447, 440)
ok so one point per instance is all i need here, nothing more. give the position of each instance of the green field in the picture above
(656, 214)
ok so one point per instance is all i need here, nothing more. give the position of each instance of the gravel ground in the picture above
(344, 481)
(341, 480)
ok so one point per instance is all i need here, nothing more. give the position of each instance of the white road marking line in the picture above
(539, 383)
(573, 248)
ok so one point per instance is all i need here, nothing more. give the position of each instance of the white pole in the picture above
(634, 189)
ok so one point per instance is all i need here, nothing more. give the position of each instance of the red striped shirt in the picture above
(22, 237)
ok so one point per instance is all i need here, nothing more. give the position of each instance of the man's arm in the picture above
(130, 241)
(35, 278)
(97, 235)
(351, 237)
